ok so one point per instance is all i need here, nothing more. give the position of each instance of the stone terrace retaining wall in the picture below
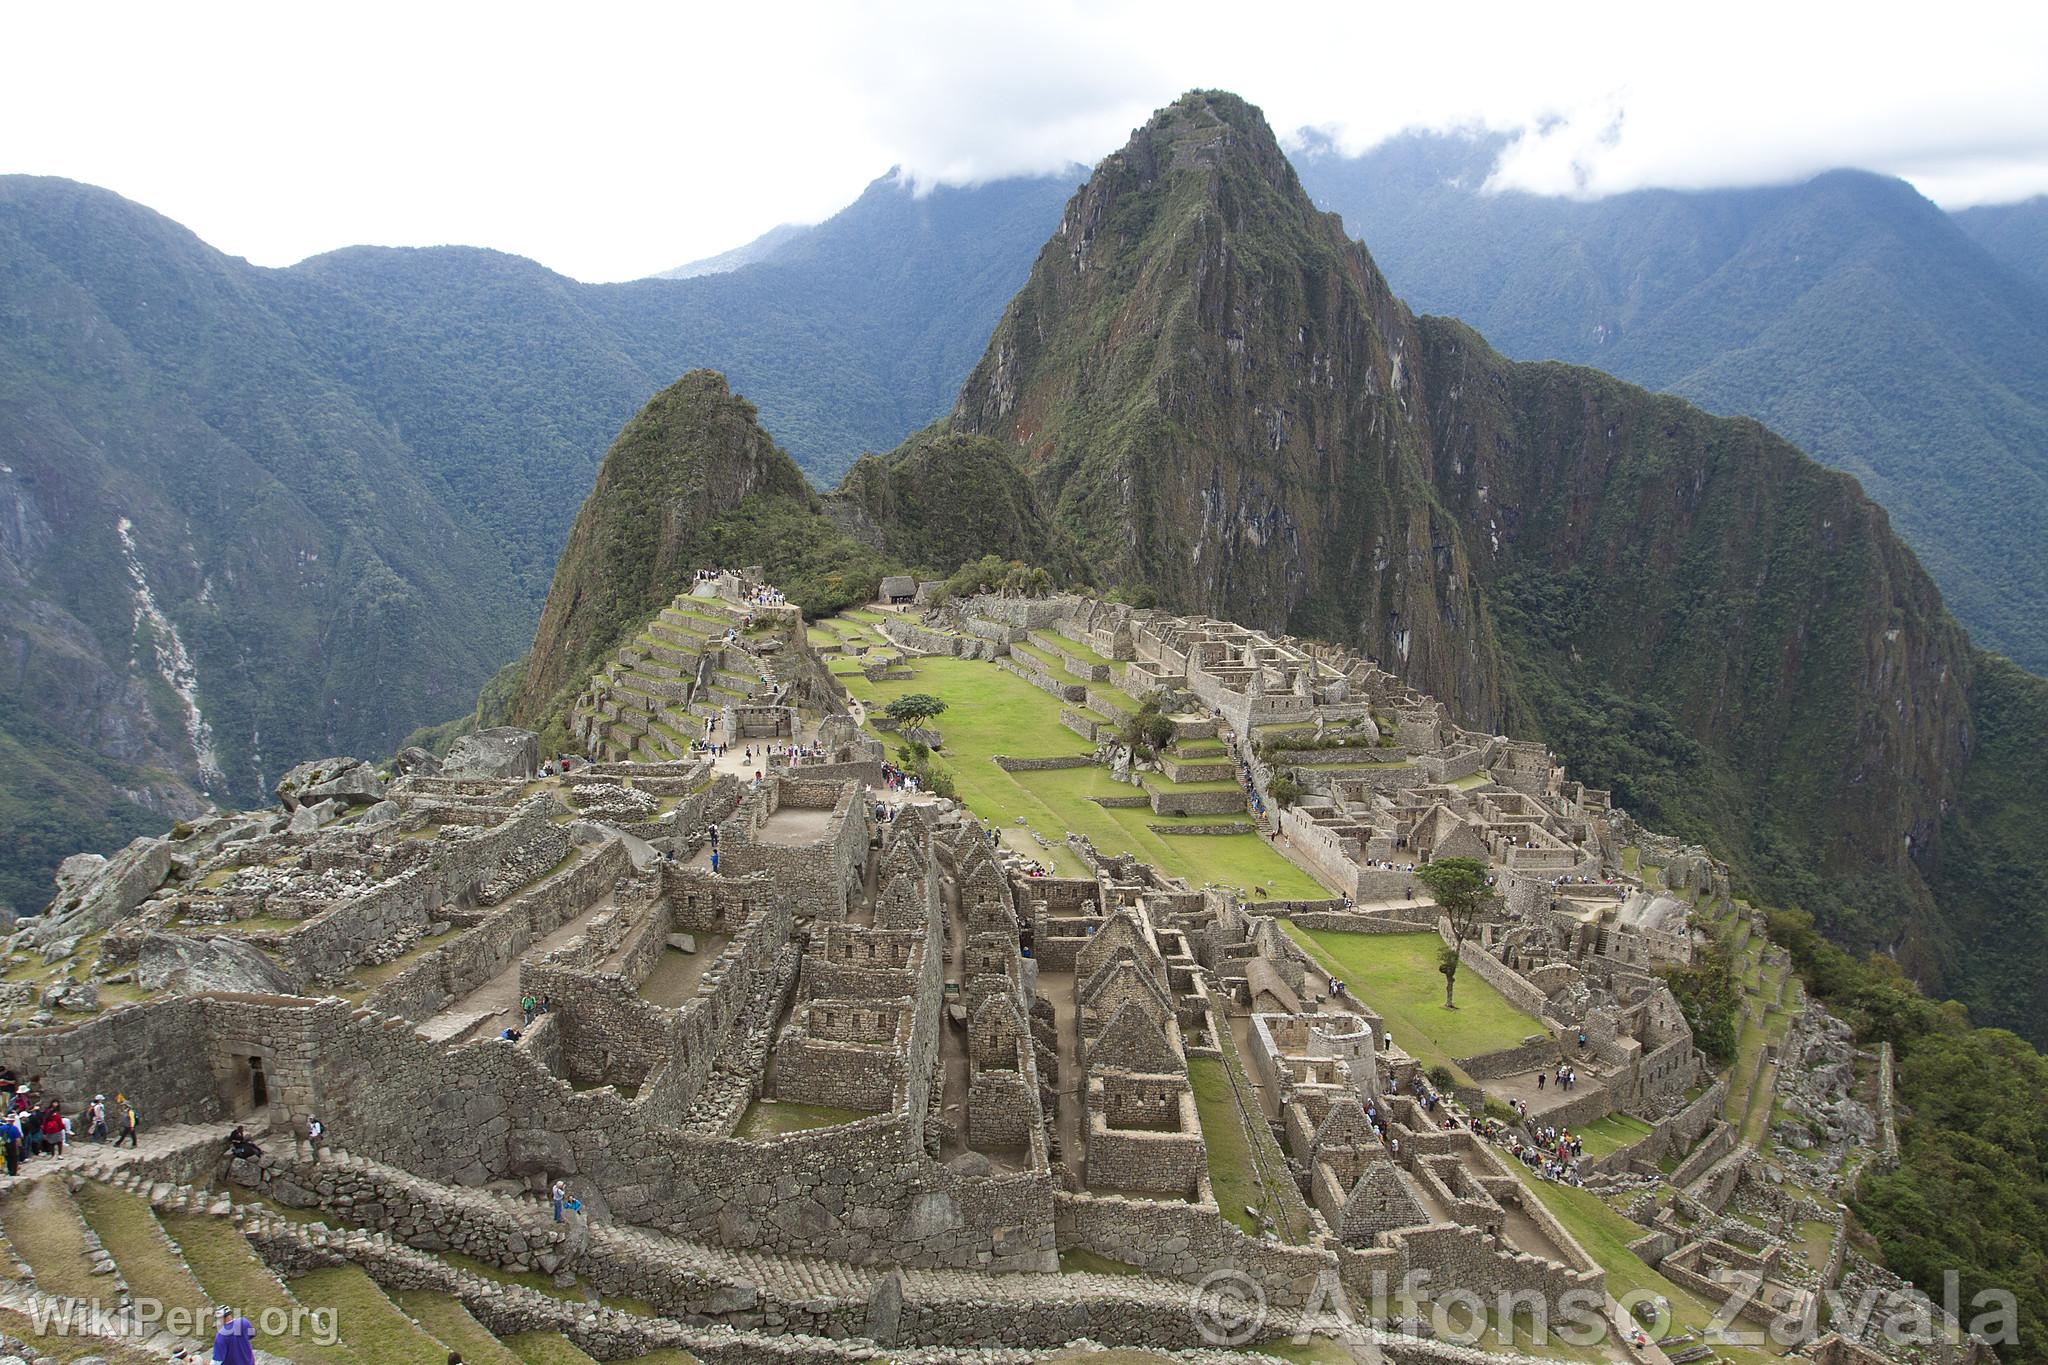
(1187, 1242)
(336, 940)
(1039, 765)
(1033, 672)
(1518, 989)
(455, 969)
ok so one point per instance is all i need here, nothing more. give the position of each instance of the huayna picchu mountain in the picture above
(1211, 392)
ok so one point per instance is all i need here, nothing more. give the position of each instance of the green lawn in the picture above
(1074, 647)
(371, 1324)
(1232, 1177)
(1611, 1134)
(1396, 975)
(450, 1322)
(768, 1118)
(547, 1348)
(991, 711)
(1050, 662)
(45, 1228)
(129, 1232)
(228, 1268)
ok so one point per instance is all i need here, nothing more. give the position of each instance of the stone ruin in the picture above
(863, 1084)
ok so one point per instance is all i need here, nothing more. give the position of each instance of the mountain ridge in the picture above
(1844, 310)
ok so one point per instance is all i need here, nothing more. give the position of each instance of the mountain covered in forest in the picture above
(1846, 312)
(347, 483)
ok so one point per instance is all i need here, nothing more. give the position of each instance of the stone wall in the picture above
(815, 878)
(1187, 1242)
(1034, 765)
(611, 1035)
(476, 956)
(159, 1055)
(1505, 979)
(498, 1114)
(1179, 801)
(384, 919)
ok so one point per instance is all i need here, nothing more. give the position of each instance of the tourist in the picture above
(1540, 1078)
(130, 1122)
(559, 1195)
(526, 1004)
(96, 1119)
(235, 1342)
(315, 1131)
(10, 1138)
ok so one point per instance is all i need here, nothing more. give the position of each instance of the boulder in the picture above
(76, 873)
(125, 880)
(217, 963)
(378, 816)
(499, 752)
(309, 819)
(415, 761)
(81, 996)
(342, 779)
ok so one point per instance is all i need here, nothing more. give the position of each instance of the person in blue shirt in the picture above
(235, 1342)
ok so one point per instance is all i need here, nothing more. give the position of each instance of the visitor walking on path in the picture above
(130, 1122)
(559, 1196)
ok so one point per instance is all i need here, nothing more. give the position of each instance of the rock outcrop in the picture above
(178, 962)
(502, 751)
(92, 899)
(349, 780)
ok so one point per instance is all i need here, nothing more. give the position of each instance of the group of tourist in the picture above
(1566, 1074)
(793, 754)
(897, 780)
(1552, 1152)
(33, 1124)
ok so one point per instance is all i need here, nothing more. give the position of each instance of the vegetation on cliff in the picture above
(691, 481)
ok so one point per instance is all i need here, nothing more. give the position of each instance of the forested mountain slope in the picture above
(1846, 312)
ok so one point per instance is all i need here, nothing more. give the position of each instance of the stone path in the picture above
(94, 1158)
(498, 998)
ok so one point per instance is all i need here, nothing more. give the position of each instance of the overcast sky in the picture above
(611, 141)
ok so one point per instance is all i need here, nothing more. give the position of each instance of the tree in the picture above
(913, 709)
(1148, 729)
(1458, 885)
(1284, 789)
(1710, 997)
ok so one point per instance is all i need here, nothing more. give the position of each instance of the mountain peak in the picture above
(1211, 131)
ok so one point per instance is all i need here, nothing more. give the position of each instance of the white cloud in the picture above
(609, 141)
